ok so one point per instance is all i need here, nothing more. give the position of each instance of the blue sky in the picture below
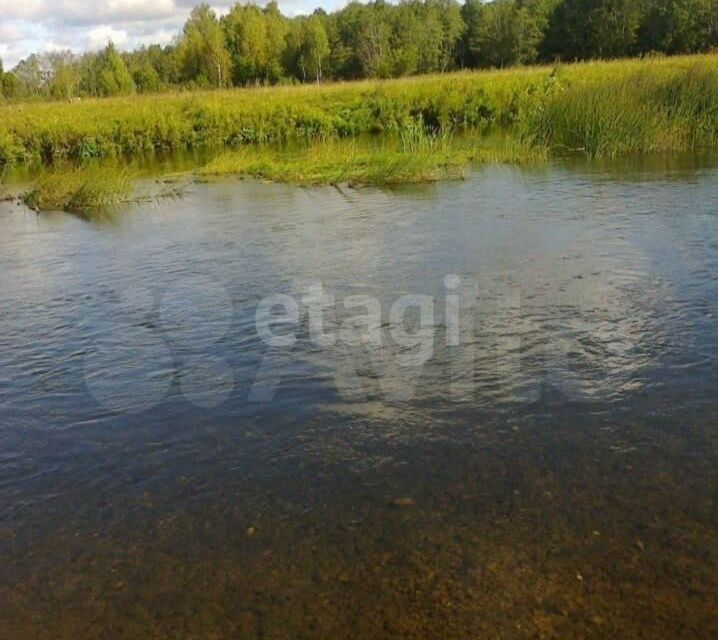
(31, 26)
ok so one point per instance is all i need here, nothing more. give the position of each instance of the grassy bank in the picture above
(603, 109)
(373, 133)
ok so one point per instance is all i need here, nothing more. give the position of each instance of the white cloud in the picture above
(73, 12)
(11, 33)
(49, 47)
(22, 9)
(98, 37)
(31, 26)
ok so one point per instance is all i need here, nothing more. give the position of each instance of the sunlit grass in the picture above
(336, 163)
(414, 157)
(603, 109)
(663, 108)
(375, 133)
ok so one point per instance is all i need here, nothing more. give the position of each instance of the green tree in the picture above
(452, 31)
(586, 29)
(292, 59)
(10, 85)
(151, 67)
(679, 26)
(345, 33)
(202, 52)
(315, 46)
(276, 29)
(89, 66)
(413, 43)
(471, 13)
(501, 33)
(307, 48)
(376, 39)
(374, 42)
(113, 77)
(30, 75)
(256, 40)
(65, 81)
(146, 78)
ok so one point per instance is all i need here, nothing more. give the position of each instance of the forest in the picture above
(258, 45)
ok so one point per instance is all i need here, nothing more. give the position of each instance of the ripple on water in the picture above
(555, 470)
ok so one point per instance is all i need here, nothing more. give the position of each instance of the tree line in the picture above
(259, 45)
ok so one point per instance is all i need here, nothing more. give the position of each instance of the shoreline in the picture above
(604, 109)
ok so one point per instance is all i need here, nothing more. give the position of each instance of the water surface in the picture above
(166, 474)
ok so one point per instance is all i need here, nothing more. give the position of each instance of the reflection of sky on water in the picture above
(135, 440)
(592, 284)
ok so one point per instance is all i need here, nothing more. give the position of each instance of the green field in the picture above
(416, 129)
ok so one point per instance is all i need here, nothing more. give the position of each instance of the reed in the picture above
(663, 107)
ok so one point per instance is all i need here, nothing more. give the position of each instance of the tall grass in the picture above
(601, 108)
(661, 108)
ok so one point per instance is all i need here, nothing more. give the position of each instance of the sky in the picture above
(35, 26)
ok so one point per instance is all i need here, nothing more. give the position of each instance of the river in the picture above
(473, 409)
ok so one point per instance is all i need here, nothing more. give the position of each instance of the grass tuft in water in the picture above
(87, 189)
(3, 190)
(335, 162)
(414, 157)
(80, 189)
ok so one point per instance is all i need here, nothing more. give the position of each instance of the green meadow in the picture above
(383, 132)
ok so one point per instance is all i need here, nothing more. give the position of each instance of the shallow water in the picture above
(164, 473)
